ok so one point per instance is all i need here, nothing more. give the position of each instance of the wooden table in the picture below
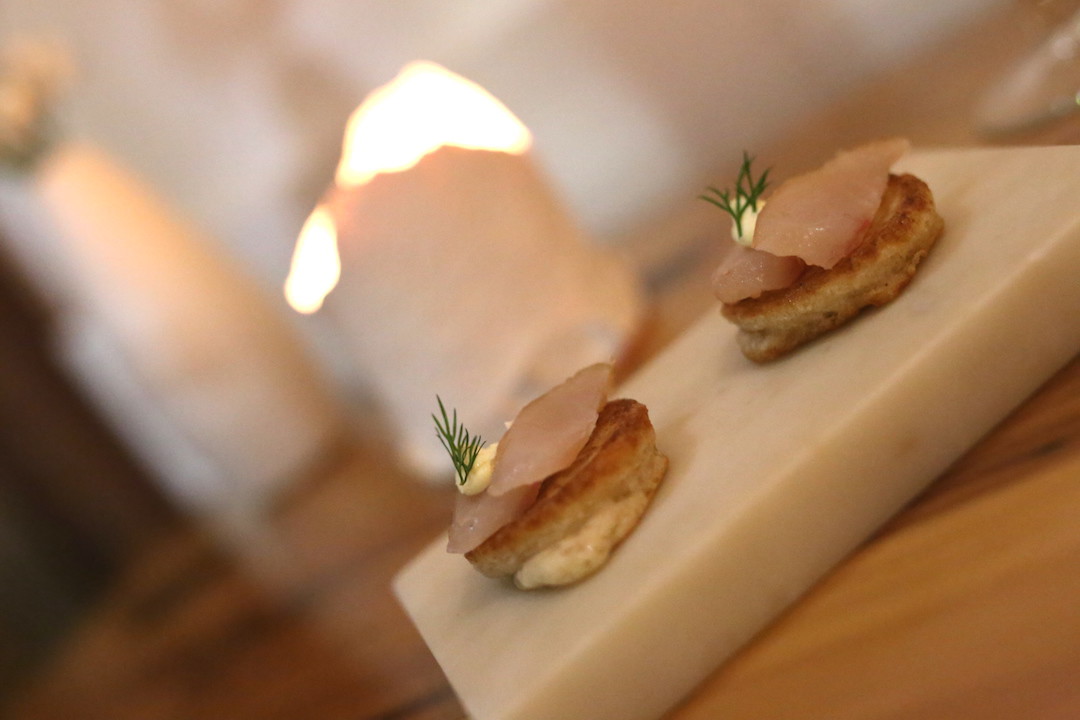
(967, 605)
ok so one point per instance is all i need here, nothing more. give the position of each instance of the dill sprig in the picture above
(746, 195)
(463, 447)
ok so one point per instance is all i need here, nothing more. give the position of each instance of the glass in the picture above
(1041, 88)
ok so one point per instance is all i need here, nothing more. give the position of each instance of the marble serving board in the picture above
(780, 471)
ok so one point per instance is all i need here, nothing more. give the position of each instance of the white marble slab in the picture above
(778, 472)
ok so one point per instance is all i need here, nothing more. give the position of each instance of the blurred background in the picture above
(130, 406)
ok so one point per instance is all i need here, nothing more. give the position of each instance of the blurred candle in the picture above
(195, 366)
(460, 273)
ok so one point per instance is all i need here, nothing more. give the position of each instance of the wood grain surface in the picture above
(966, 605)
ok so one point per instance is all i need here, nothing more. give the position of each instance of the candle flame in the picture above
(316, 266)
(422, 109)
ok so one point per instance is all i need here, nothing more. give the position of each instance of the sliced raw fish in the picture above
(477, 517)
(550, 431)
(819, 216)
(746, 273)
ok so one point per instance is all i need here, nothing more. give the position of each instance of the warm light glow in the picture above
(424, 108)
(316, 266)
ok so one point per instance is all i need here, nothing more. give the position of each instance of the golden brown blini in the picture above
(583, 511)
(903, 230)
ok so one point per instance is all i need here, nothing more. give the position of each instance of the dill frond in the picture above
(746, 194)
(462, 446)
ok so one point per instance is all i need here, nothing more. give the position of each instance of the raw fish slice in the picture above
(820, 216)
(550, 431)
(477, 517)
(746, 273)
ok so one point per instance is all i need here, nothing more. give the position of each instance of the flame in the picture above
(316, 266)
(422, 109)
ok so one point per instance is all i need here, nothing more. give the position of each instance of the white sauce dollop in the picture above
(479, 477)
(749, 222)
